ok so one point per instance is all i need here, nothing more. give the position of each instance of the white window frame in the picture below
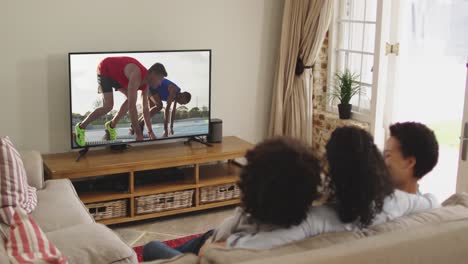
(332, 57)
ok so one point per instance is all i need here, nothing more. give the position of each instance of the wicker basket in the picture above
(163, 202)
(108, 210)
(223, 192)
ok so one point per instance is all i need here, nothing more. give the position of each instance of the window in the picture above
(352, 46)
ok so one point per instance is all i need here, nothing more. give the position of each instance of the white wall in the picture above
(35, 37)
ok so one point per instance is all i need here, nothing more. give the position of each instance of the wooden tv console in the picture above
(202, 166)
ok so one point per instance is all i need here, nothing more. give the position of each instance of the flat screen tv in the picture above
(166, 93)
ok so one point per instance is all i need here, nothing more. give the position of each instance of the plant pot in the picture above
(344, 111)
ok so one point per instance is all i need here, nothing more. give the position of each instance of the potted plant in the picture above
(346, 86)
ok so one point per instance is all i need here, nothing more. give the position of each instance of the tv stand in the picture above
(82, 153)
(208, 173)
(199, 140)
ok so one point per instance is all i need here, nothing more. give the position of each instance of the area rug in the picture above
(171, 243)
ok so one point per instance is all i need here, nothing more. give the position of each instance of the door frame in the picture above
(462, 178)
(378, 126)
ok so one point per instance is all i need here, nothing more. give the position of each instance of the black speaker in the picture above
(216, 131)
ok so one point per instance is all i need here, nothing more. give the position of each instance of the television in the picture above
(104, 85)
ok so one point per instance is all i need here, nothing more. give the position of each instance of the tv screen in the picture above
(165, 93)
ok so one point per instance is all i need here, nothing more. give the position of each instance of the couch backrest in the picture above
(434, 243)
(34, 168)
(226, 256)
(455, 208)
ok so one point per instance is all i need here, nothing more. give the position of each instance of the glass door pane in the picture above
(430, 79)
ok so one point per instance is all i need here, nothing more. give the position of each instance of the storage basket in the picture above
(108, 210)
(163, 202)
(216, 193)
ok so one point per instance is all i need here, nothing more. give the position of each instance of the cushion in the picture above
(34, 167)
(59, 207)
(14, 188)
(223, 255)
(92, 243)
(27, 243)
(433, 243)
(457, 199)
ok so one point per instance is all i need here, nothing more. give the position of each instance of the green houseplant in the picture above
(345, 87)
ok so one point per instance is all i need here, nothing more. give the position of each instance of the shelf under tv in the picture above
(202, 167)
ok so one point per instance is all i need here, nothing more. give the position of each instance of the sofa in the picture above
(67, 223)
(435, 236)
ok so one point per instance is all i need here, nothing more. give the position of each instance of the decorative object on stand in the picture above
(346, 86)
(215, 131)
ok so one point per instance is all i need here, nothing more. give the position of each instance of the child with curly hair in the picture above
(278, 185)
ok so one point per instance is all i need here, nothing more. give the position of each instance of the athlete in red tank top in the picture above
(113, 67)
(126, 75)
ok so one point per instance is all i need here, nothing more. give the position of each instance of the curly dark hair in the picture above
(418, 141)
(358, 178)
(279, 182)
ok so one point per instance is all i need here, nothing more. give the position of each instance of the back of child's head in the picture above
(279, 182)
(359, 179)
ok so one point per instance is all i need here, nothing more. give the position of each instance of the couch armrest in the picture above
(92, 243)
(34, 168)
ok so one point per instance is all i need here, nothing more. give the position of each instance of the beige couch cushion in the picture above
(221, 255)
(91, 243)
(32, 161)
(58, 207)
(435, 243)
(457, 199)
(182, 259)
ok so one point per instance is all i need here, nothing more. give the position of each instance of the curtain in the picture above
(305, 24)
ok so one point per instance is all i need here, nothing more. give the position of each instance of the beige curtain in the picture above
(305, 24)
